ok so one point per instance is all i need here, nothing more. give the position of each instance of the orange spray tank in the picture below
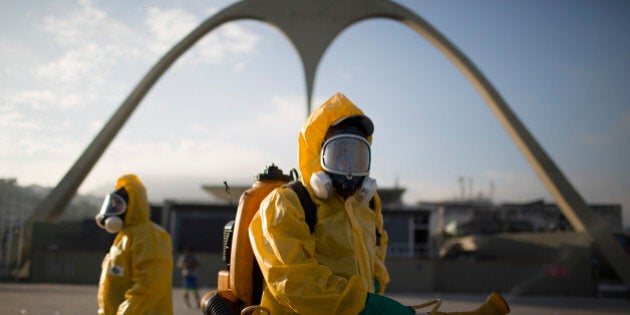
(242, 283)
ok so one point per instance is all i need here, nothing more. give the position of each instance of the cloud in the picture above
(11, 119)
(169, 26)
(87, 61)
(33, 99)
(83, 66)
(79, 26)
(93, 46)
(96, 43)
(213, 158)
(225, 43)
(284, 108)
(44, 99)
(20, 56)
(92, 42)
(233, 150)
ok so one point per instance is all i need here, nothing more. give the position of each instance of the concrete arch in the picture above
(311, 26)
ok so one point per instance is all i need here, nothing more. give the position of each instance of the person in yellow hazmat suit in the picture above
(136, 276)
(339, 268)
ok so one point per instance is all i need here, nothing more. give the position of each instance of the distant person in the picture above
(188, 263)
(136, 276)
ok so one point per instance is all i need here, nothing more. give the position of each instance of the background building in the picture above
(433, 246)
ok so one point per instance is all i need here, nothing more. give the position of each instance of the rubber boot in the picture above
(495, 305)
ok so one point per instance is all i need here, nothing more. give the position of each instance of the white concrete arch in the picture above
(311, 26)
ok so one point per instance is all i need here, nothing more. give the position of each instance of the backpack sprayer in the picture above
(239, 288)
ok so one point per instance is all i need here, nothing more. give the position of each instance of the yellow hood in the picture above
(331, 269)
(314, 130)
(136, 274)
(138, 206)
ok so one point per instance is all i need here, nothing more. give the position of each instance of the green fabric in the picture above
(377, 286)
(378, 305)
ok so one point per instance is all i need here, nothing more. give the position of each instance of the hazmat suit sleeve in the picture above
(151, 265)
(285, 250)
(380, 270)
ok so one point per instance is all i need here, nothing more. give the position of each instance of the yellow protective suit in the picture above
(331, 270)
(136, 276)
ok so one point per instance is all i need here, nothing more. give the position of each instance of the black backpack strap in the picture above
(310, 210)
(372, 205)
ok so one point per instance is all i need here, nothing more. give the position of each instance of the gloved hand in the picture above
(379, 305)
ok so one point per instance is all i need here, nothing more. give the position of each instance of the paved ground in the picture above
(62, 299)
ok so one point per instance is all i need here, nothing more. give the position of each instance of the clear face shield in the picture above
(114, 206)
(346, 154)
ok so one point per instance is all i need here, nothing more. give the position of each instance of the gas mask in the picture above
(112, 214)
(345, 158)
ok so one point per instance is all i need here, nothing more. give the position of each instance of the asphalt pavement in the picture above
(67, 299)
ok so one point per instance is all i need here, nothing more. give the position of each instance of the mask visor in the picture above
(113, 205)
(346, 154)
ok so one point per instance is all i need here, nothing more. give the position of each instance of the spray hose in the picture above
(437, 303)
(494, 305)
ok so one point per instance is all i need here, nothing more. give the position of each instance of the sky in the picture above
(235, 102)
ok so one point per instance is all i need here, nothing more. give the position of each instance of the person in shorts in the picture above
(188, 263)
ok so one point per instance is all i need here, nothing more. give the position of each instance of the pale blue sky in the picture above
(235, 102)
